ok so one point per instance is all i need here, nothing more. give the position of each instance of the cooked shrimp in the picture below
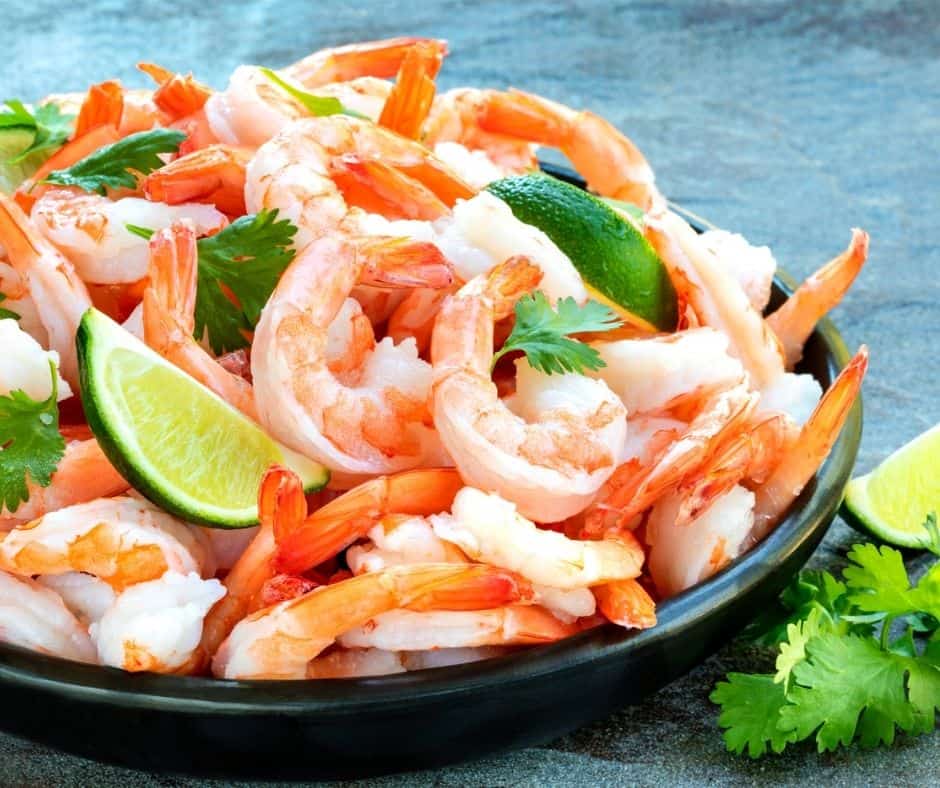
(177, 95)
(610, 163)
(85, 595)
(214, 174)
(490, 529)
(279, 641)
(168, 316)
(626, 603)
(405, 630)
(371, 420)
(350, 517)
(91, 230)
(752, 266)
(409, 101)
(35, 617)
(819, 294)
(156, 625)
(682, 555)
(804, 456)
(121, 541)
(57, 291)
(553, 456)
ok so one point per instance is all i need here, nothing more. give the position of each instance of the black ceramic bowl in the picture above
(355, 727)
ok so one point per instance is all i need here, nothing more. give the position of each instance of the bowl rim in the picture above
(189, 695)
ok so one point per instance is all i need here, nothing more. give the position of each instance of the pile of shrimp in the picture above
(470, 513)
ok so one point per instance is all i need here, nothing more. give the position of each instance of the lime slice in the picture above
(13, 141)
(178, 443)
(617, 263)
(893, 501)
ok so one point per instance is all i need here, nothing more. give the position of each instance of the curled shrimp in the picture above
(60, 296)
(121, 541)
(610, 163)
(91, 231)
(550, 459)
(489, 529)
(819, 294)
(35, 617)
(372, 419)
(279, 641)
(168, 316)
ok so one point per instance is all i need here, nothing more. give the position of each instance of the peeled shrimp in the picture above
(489, 529)
(35, 617)
(85, 595)
(372, 419)
(156, 625)
(553, 456)
(752, 266)
(121, 541)
(279, 642)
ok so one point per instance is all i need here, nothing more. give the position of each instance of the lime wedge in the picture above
(619, 266)
(178, 443)
(13, 141)
(893, 501)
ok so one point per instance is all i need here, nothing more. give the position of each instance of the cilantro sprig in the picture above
(246, 259)
(318, 106)
(7, 313)
(50, 126)
(858, 659)
(120, 164)
(541, 333)
(30, 443)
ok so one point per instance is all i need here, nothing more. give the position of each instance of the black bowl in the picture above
(356, 727)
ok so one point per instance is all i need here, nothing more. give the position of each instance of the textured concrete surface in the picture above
(788, 121)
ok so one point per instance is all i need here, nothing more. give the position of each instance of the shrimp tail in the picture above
(409, 102)
(215, 174)
(402, 262)
(820, 293)
(382, 188)
(626, 603)
(480, 587)
(177, 95)
(816, 440)
(103, 106)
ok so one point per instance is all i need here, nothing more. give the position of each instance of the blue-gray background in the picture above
(788, 121)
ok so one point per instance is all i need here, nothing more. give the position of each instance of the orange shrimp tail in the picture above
(402, 262)
(215, 174)
(173, 260)
(367, 59)
(509, 281)
(480, 587)
(103, 106)
(816, 440)
(819, 294)
(282, 505)
(524, 115)
(410, 100)
(70, 153)
(177, 95)
(342, 521)
(626, 603)
(379, 187)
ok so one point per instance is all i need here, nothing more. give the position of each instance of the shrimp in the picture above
(804, 455)
(553, 456)
(490, 529)
(682, 555)
(35, 617)
(610, 163)
(86, 596)
(91, 231)
(409, 101)
(60, 296)
(156, 625)
(752, 266)
(513, 625)
(819, 294)
(121, 541)
(626, 603)
(168, 316)
(634, 488)
(343, 521)
(374, 420)
(213, 174)
(177, 95)
(279, 641)
(401, 539)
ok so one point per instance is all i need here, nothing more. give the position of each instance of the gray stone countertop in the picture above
(790, 122)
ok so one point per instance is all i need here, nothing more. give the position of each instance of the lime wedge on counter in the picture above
(13, 141)
(179, 444)
(618, 265)
(893, 501)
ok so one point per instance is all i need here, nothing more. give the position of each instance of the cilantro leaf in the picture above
(30, 443)
(142, 232)
(793, 649)
(247, 258)
(50, 126)
(119, 165)
(318, 106)
(878, 583)
(7, 313)
(540, 332)
(750, 707)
